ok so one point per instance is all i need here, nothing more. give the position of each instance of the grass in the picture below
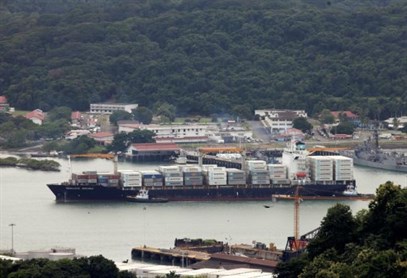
(19, 113)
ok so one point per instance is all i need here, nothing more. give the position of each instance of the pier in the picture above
(168, 256)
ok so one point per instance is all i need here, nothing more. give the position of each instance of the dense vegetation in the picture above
(91, 267)
(205, 56)
(34, 164)
(371, 244)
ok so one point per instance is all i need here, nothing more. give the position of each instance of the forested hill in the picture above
(206, 56)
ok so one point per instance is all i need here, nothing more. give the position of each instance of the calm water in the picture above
(112, 229)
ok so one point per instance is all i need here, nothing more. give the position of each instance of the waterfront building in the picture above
(152, 151)
(171, 133)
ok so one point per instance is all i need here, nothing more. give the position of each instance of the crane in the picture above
(207, 150)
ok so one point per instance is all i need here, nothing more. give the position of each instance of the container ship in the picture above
(313, 175)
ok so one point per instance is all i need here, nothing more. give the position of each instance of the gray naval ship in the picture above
(370, 154)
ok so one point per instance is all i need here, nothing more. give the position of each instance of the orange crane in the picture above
(94, 155)
(206, 150)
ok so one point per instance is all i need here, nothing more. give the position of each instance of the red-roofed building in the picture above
(76, 117)
(103, 138)
(36, 116)
(350, 116)
(153, 151)
(4, 106)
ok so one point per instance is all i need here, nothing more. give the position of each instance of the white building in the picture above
(174, 133)
(278, 120)
(109, 108)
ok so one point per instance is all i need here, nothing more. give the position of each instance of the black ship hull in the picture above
(203, 193)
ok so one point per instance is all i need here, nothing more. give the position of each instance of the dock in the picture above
(168, 256)
(361, 197)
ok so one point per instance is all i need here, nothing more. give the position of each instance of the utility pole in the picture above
(12, 237)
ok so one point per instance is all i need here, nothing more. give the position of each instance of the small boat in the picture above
(143, 197)
(350, 191)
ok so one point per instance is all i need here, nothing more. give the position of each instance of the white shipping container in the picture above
(169, 169)
(192, 169)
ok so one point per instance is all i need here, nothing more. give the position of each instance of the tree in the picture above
(326, 117)
(302, 124)
(119, 143)
(79, 145)
(165, 110)
(141, 136)
(243, 111)
(337, 229)
(386, 216)
(343, 128)
(58, 113)
(120, 115)
(98, 266)
(143, 115)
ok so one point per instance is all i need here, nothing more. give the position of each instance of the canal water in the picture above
(113, 228)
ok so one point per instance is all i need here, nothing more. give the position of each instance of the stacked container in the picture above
(152, 178)
(172, 175)
(130, 178)
(83, 179)
(192, 175)
(108, 179)
(321, 168)
(216, 176)
(343, 168)
(253, 165)
(235, 176)
(259, 177)
(278, 173)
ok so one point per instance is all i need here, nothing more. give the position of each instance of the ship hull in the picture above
(378, 165)
(220, 193)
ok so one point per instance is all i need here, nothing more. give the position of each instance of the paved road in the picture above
(259, 131)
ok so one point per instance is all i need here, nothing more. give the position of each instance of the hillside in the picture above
(205, 57)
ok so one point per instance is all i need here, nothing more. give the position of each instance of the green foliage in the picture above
(8, 161)
(343, 128)
(143, 115)
(337, 229)
(302, 124)
(172, 274)
(79, 145)
(371, 244)
(120, 115)
(59, 113)
(50, 146)
(53, 129)
(45, 165)
(282, 53)
(92, 267)
(141, 136)
(165, 111)
(292, 268)
(326, 117)
(121, 141)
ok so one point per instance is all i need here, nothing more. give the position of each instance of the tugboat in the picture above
(143, 197)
